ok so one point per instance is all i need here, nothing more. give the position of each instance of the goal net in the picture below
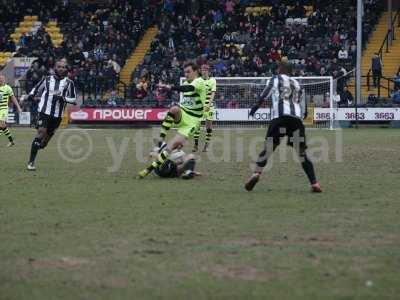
(236, 95)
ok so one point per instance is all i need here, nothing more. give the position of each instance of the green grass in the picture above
(79, 231)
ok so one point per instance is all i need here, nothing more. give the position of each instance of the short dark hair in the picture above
(285, 68)
(61, 59)
(194, 66)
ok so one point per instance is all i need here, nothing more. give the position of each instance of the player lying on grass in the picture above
(211, 86)
(6, 93)
(178, 164)
(186, 116)
(56, 91)
(286, 121)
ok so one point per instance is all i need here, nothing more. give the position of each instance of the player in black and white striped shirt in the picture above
(56, 91)
(286, 121)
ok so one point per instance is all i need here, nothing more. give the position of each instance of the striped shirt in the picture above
(285, 94)
(193, 102)
(55, 94)
(5, 93)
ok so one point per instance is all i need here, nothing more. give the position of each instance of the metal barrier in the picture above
(390, 35)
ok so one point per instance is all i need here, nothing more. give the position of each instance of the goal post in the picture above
(236, 95)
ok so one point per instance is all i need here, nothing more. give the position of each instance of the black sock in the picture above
(308, 168)
(190, 165)
(166, 125)
(7, 133)
(209, 135)
(36, 145)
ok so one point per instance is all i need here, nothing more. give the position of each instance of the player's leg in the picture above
(45, 131)
(4, 129)
(196, 137)
(209, 130)
(38, 141)
(186, 127)
(186, 169)
(297, 139)
(272, 141)
(173, 116)
(177, 141)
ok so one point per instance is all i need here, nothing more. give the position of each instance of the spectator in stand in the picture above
(346, 98)
(396, 96)
(160, 97)
(327, 101)
(232, 104)
(77, 58)
(229, 6)
(372, 99)
(142, 87)
(397, 80)
(112, 101)
(343, 54)
(376, 67)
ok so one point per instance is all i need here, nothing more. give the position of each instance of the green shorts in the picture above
(187, 125)
(4, 115)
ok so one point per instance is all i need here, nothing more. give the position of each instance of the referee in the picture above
(56, 91)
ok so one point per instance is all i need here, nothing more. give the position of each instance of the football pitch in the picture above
(83, 227)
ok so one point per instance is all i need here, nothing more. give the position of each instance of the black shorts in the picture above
(168, 169)
(288, 126)
(48, 122)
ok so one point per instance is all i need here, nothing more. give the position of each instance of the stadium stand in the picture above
(248, 41)
(238, 38)
(96, 39)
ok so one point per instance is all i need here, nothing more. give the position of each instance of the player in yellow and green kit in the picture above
(6, 93)
(186, 117)
(208, 117)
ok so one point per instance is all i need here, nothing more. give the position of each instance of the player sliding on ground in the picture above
(211, 86)
(178, 165)
(6, 93)
(286, 121)
(186, 116)
(56, 91)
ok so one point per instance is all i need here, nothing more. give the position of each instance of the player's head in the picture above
(285, 67)
(2, 80)
(191, 71)
(61, 67)
(205, 70)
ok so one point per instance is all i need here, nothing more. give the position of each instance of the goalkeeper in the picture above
(186, 117)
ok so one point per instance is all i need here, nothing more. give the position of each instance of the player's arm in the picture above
(266, 93)
(209, 102)
(15, 101)
(178, 88)
(38, 87)
(297, 95)
(70, 95)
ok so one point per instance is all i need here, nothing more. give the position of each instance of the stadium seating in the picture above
(54, 31)
(240, 43)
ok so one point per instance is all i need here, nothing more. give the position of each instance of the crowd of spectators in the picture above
(10, 14)
(97, 40)
(240, 44)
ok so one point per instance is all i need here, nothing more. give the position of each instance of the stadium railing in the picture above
(390, 35)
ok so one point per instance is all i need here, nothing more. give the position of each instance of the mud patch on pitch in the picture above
(245, 273)
(64, 262)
